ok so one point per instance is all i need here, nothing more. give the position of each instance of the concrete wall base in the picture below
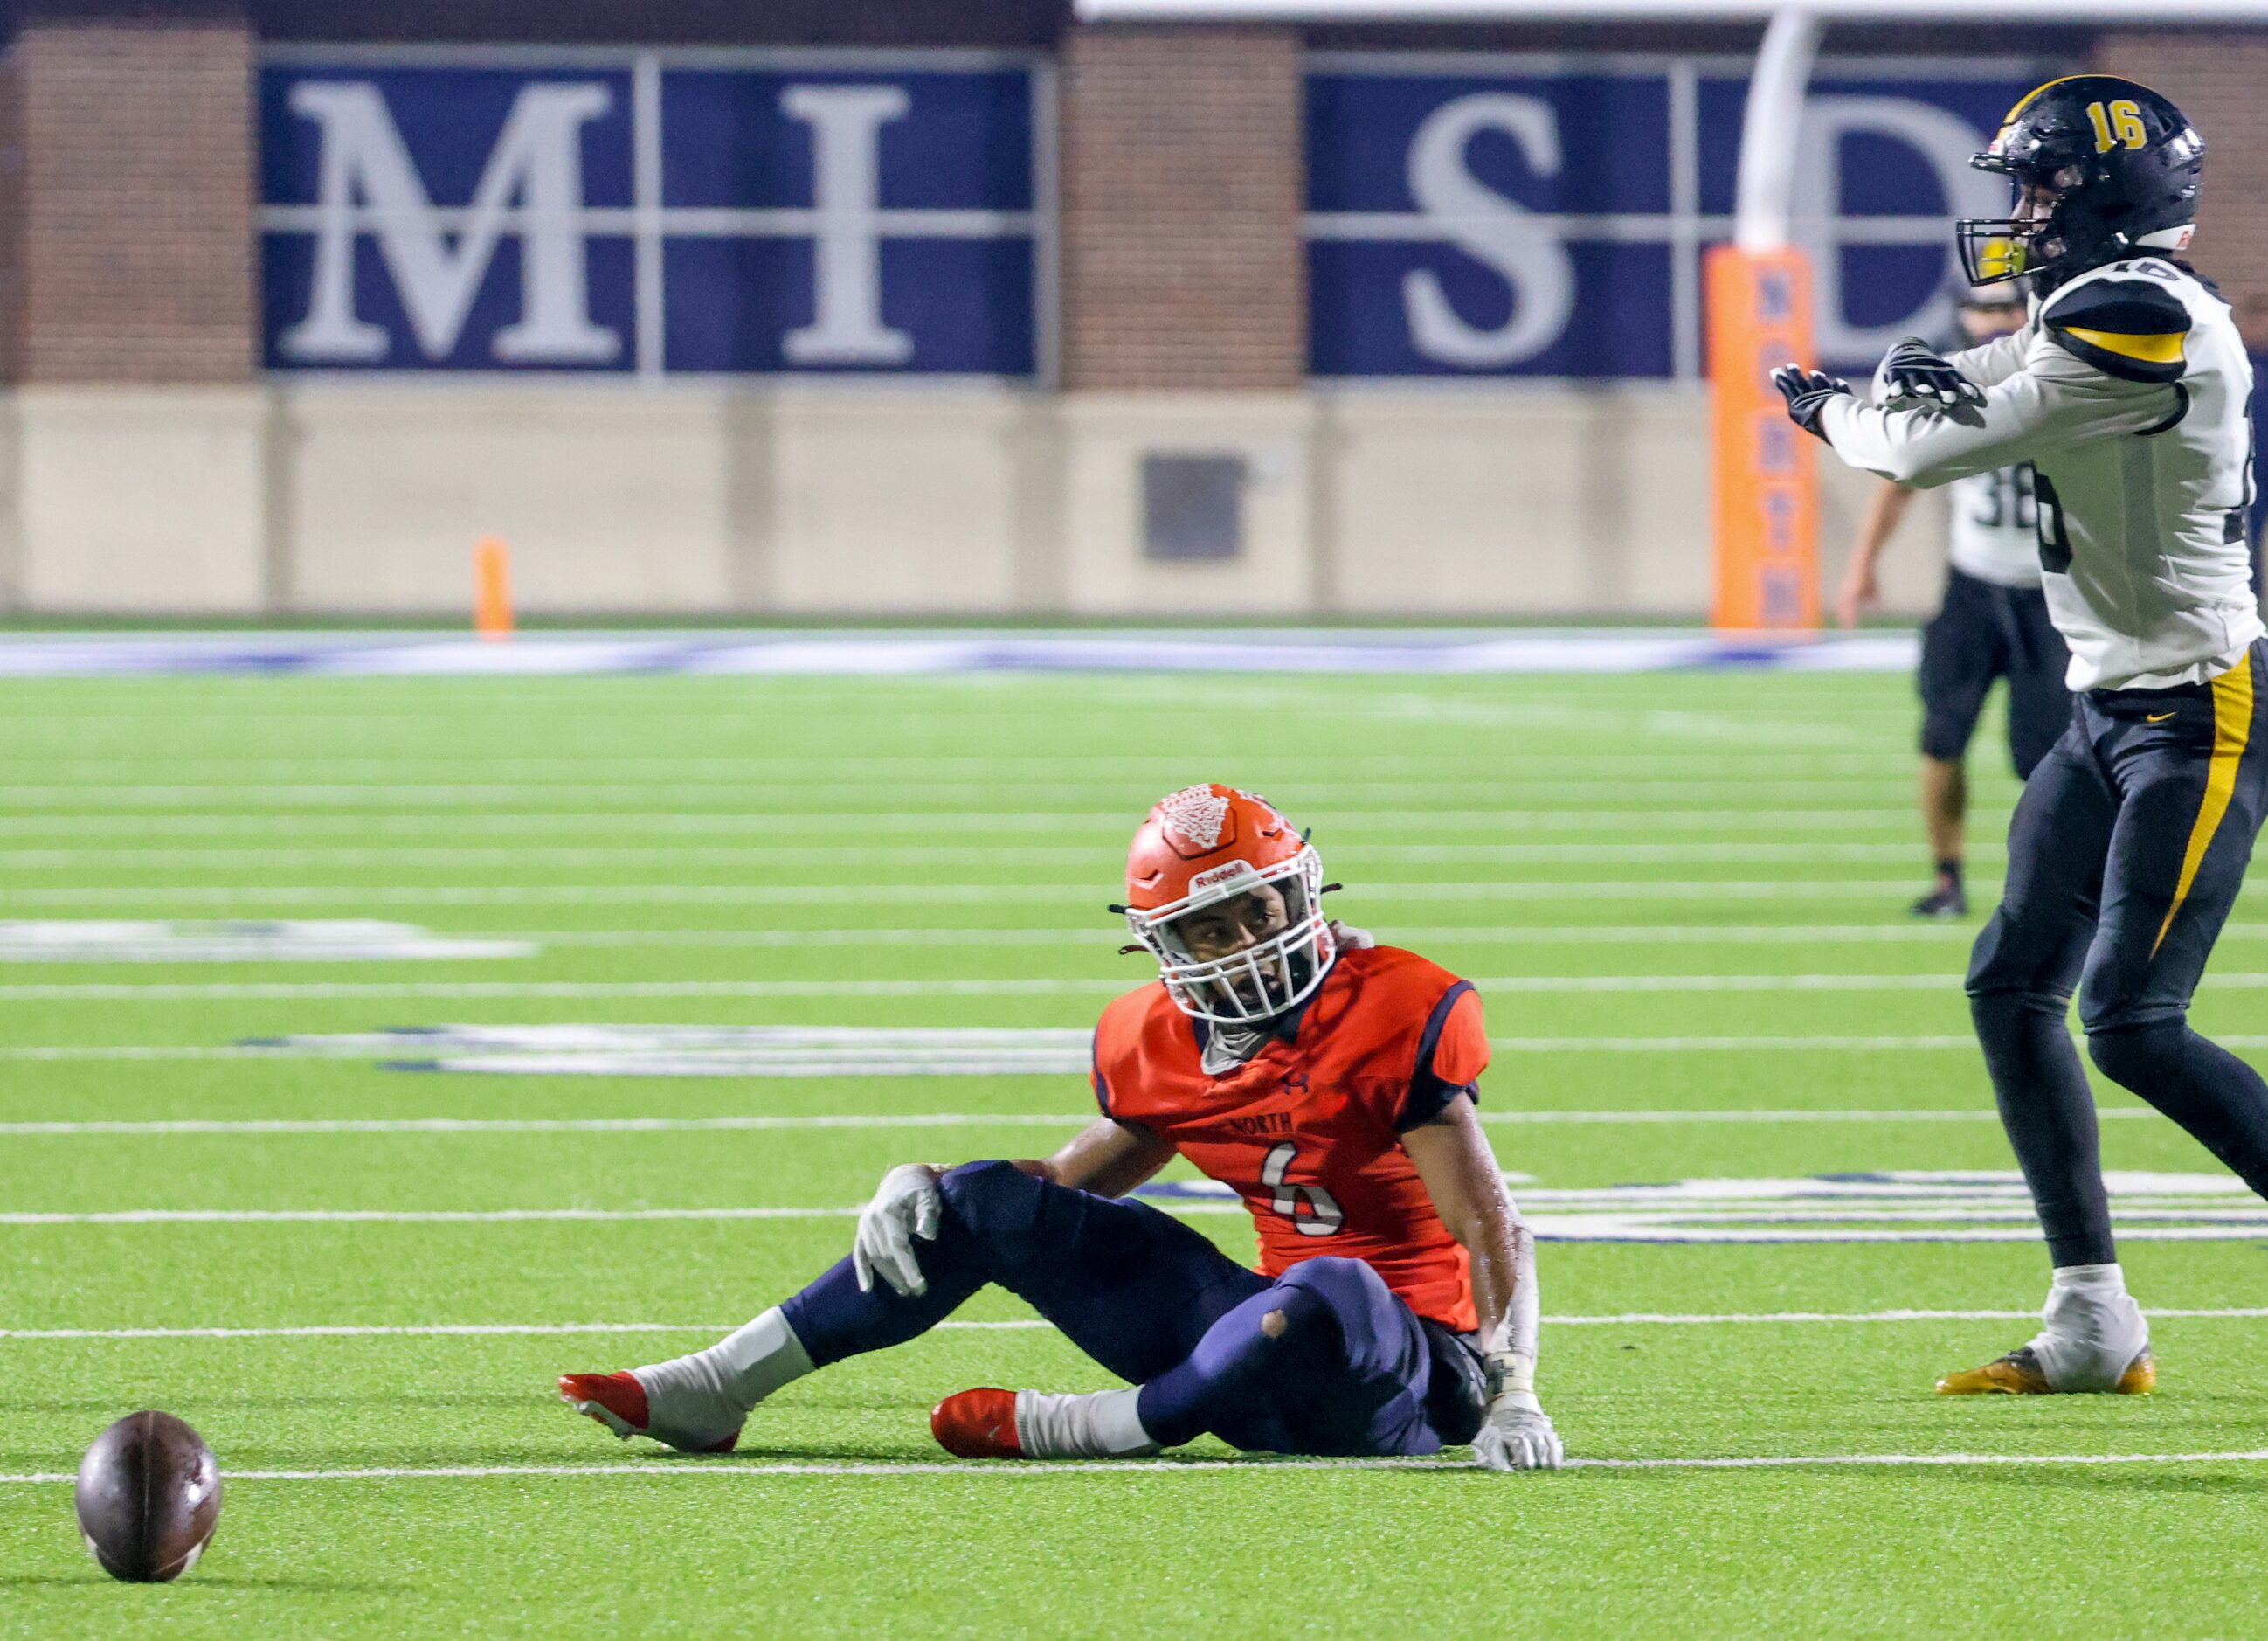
(863, 499)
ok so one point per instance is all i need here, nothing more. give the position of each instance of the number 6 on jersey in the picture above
(1323, 1217)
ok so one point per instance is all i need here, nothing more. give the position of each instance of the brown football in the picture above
(147, 1498)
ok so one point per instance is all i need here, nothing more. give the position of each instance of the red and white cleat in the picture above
(977, 1424)
(618, 1401)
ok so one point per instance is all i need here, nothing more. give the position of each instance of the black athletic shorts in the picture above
(1986, 632)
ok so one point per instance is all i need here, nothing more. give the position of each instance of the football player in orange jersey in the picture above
(1330, 1081)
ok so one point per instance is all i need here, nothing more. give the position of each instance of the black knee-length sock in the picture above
(2222, 1101)
(2049, 1112)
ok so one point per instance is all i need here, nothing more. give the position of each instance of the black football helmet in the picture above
(2103, 168)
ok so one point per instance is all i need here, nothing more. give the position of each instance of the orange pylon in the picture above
(492, 588)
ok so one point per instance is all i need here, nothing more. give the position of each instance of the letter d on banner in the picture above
(1767, 494)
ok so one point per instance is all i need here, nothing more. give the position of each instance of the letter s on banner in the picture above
(1490, 228)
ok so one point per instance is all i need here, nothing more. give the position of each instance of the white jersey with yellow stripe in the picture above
(2127, 391)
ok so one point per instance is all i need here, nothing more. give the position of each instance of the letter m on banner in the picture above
(416, 222)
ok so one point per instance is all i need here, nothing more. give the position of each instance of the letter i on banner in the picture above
(1767, 495)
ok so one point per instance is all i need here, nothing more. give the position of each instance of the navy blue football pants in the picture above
(2125, 856)
(1346, 1370)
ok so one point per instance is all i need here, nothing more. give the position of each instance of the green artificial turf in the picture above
(938, 851)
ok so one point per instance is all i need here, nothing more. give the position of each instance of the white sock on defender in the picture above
(1100, 1425)
(2093, 1330)
(714, 1389)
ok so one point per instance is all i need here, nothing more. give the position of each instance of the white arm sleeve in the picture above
(1999, 359)
(2054, 402)
(1987, 367)
(1513, 1346)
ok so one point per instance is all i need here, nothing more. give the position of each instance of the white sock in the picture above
(709, 1394)
(2093, 1330)
(1100, 1424)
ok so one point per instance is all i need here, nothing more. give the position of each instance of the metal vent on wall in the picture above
(1192, 506)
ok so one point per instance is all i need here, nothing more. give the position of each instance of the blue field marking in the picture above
(856, 653)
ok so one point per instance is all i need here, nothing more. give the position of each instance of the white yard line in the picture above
(1948, 935)
(1603, 1223)
(1100, 853)
(1921, 932)
(973, 1470)
(176, 990)
(544, 1125)
(446, 1330)
(1769, 1045)
(1509, 1045)
(1949, 984)
(887, 770)
(1747, 1045)
(1083, 894)
(1111, 824)
(449, 1216)
(255, 1127)
(961, 796)
(1951, 936)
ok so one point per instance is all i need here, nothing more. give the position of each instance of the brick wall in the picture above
(137, 236)
(12, 223)
(645, 22)
(2217, 79)
(1182, 261)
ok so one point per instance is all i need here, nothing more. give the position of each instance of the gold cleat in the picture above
(2018, 1375)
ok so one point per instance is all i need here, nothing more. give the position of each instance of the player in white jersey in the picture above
(1994, 624)
(2126, 389)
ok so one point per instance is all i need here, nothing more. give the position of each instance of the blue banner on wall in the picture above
(879, 213)
(639, 212)
(1493, 217)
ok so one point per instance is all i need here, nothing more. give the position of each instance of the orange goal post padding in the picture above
(1766, 509)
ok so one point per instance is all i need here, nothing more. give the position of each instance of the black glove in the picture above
(1807, 392)
(1913, 370)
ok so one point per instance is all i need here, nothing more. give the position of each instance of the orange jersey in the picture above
(1309, 1132)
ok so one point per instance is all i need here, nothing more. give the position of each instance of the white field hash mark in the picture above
(1632, 1319)
(976, 1469)
(104, 940)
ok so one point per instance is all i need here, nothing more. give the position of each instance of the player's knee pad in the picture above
(990, 1199)
(1999, 1010)
(2127, 1053)
(1294, 1314)
(1945, 736)
(2020, 1030)
(1341, 1286)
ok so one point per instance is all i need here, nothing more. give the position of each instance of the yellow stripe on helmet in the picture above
(2033, 96)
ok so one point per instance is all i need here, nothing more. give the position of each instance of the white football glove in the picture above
(1351, 938)
(1518, 1435)
(907, 1204)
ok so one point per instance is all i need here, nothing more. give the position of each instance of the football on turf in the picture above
(147, 1498)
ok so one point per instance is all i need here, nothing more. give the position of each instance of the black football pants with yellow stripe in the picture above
(2125, 856)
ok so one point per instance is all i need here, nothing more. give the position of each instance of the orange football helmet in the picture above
(1223, 958)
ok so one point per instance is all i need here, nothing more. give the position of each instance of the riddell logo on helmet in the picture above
(1217, 875)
